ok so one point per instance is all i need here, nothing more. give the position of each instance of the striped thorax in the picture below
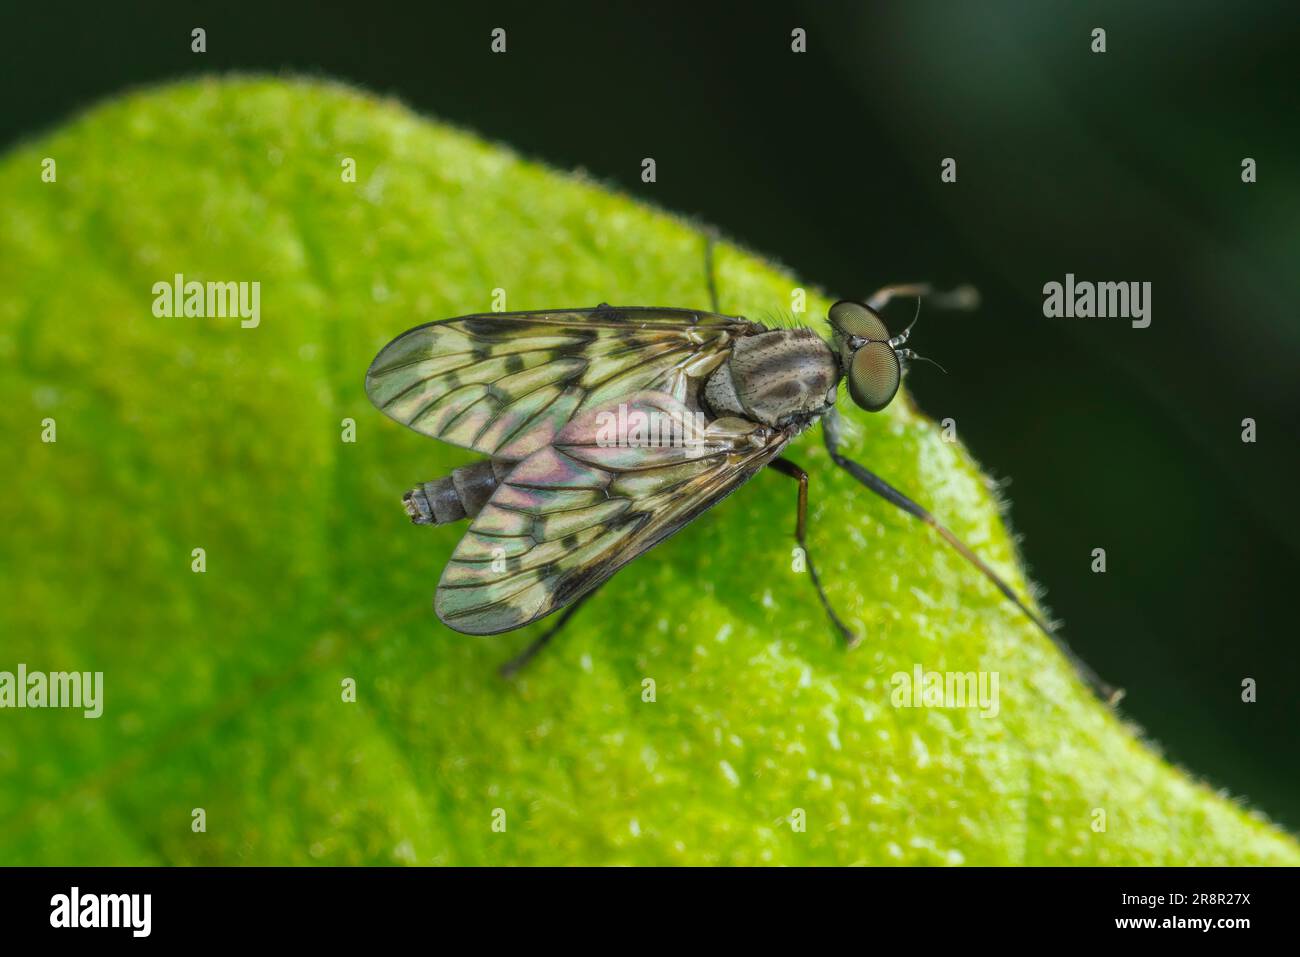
(785, 377)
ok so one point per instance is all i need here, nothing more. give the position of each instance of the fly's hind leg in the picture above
(786, 467)
(517, 663)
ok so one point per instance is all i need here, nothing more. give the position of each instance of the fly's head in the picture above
(870, 359)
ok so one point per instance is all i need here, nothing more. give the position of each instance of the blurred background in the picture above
(1122, 166)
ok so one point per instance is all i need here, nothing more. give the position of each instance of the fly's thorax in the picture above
(775, 378)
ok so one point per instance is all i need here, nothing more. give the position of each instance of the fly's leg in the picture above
(963, 297)
(786, 467)
(708, 271)
(517, 663)
(831, 433)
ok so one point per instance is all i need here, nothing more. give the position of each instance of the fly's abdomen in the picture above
(462, 494)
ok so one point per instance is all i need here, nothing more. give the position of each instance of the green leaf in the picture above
(222, 689)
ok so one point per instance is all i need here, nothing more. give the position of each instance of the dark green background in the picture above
(1122, 166)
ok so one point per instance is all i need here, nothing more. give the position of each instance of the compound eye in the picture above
(874, 376)
(855, 319)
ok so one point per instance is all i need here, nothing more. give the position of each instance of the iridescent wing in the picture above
(571, 514)
(505, 384)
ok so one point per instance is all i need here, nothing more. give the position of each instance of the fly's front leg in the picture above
(831, 434)
(786, 467)
(963, 297)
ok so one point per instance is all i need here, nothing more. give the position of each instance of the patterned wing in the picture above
(574, 512)
(505, 384)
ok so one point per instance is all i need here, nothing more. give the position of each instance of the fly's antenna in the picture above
(909, 355)
(901, 338)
